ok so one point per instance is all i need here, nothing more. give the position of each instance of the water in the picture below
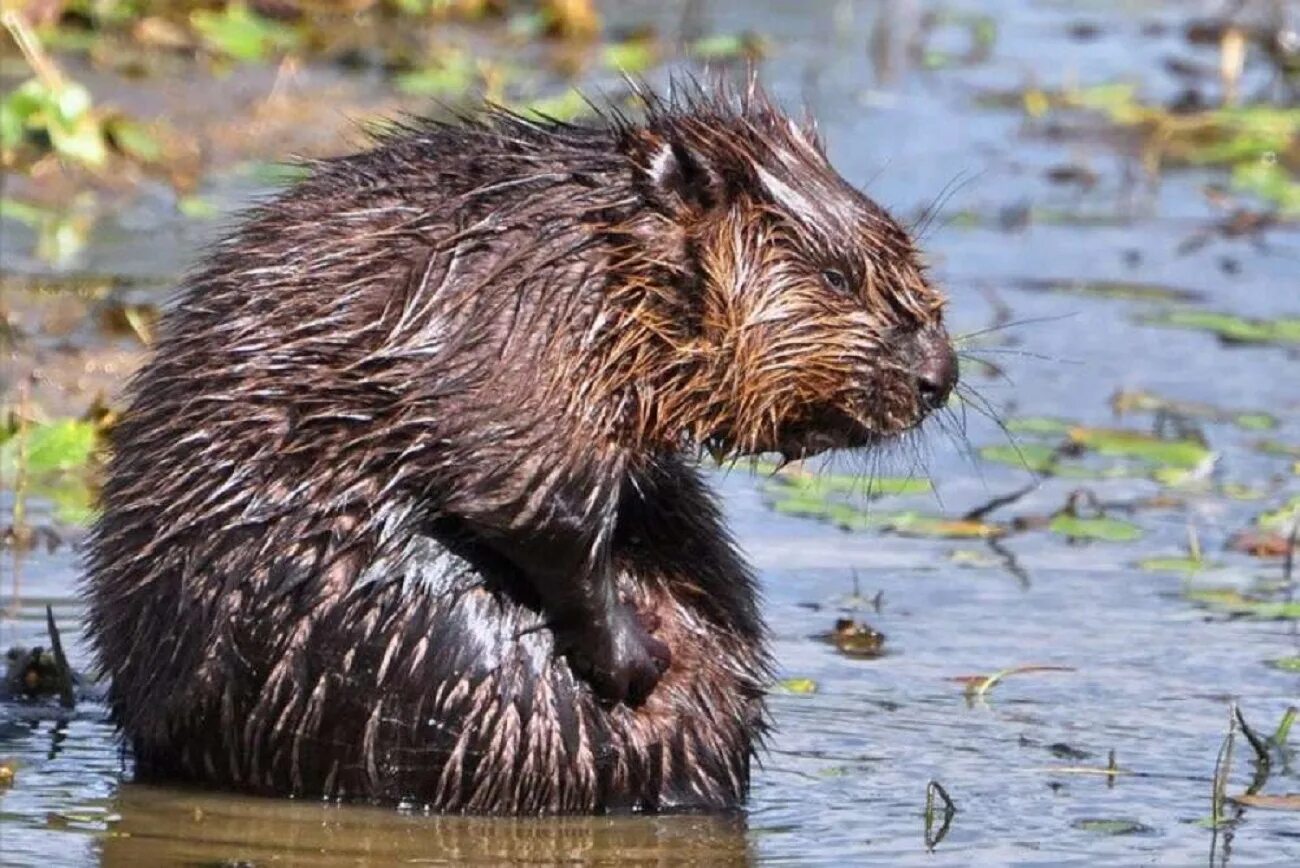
(1146, 673)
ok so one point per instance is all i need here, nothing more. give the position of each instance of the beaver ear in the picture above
(682, 178)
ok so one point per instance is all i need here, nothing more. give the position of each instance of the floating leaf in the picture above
(916, 524)
(452, 75)
(1185, 565)
(133, 139)
(801, 686)
(1287, 664)
(1099, 528)
(856, 639)
(239, 32)
(1035, 457)
(1136, 400)
(1231, 329)
(632, 55)
(729, 46)
(1116, 826)
(1277, 448)
(1123, 443)
(978, 685)
(1282, 519)
(1232, 602)
(567, 106)
(1039, 426)
(822, 484)
(197, 207)
(1287, 802)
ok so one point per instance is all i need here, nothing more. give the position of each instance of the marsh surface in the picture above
(1051, 217)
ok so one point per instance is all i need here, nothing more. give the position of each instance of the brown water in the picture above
(1151, 675)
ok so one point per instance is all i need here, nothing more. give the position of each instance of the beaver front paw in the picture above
(619, 657)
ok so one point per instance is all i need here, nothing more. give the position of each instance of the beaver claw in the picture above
(620, 659)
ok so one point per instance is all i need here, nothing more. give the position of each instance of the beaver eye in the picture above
(835, 280)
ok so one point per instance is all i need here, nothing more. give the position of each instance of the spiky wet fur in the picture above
(482, 323)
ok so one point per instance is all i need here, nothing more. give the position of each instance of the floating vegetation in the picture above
(1115, 289)
(1187, 565)
(1231, 601)
(1231, 329)
(240, 33)
(1101, 528)
(798, 686)
(729, 47)
(1139, 401)
(980, 685)
(1256, 141)
(1168, 460)
(1112, 826)
(854, 638)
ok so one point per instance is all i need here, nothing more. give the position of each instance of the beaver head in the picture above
(813, 323)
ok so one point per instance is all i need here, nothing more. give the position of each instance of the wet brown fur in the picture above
(488, 329)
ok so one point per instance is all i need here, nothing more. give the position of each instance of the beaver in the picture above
(407, 505)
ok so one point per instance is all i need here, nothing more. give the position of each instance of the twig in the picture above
(35, 56)
(932, 838)
(66, 697)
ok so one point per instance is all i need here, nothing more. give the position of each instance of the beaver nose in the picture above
(936, 368)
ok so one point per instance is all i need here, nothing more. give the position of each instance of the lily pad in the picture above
(823, 484)
(1136, 400)
(1282, 519)
(1039, 426)
(1233, 602)
(1231, 329)
(242, 34)
(1184, 565)
(1112, 826)
(1098, 528)
(451, 76)
(798, 686)
(1124, 443)
(1034, 457)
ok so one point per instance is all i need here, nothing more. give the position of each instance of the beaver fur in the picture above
(404, 506)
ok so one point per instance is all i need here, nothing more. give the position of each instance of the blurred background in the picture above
(1069, 608)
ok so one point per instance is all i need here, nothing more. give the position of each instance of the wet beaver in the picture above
(403, 507)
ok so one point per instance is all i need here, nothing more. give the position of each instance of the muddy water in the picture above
(1145, 674)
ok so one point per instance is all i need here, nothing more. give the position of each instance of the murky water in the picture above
(1145, 673)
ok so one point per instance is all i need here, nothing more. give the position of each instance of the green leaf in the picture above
(1186, 566)
(1233, 602)
(134, 140)
(1100, 528)
(1230, 328)
(1287, 664)
(62, 445)
(1039, 426)
(1282, 519)
(1116, 826)
(1123, 443)
(632, 55)
(453, 75)
(22, 212)
(728, 46)
(83, 141)
(241, 33)
(197, 207)
(1036, 457)
(800, 686)
(567, 106)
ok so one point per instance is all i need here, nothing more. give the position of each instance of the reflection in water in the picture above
(161, 826)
